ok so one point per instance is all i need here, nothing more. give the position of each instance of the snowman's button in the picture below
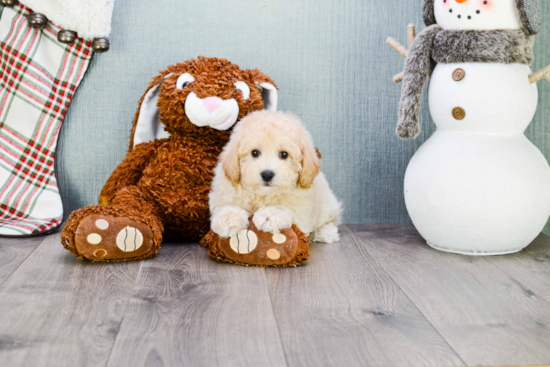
(459, 74)
(459, 113)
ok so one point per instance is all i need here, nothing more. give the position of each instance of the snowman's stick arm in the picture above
(411, 33)
(544, 73)
(399, 77)
(397, 47)
(401, 50)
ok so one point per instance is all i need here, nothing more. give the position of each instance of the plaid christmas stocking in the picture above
(38, 79)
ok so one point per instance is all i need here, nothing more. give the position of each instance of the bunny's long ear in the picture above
(147, 126)
(269, 95)
(267, 87)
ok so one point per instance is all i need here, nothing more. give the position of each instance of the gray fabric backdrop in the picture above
(329, 59)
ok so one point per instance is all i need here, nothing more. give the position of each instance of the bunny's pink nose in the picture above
(212, 103)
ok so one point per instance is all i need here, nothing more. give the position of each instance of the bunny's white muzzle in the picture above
(219, 114)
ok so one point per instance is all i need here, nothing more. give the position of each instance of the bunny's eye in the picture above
(184, 80)
(243, 87)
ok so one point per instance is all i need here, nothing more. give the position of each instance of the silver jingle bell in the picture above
(8, 2)
(67, 37)
(37, 20)
(100, 45)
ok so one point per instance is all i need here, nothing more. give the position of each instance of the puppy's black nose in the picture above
(267, 175)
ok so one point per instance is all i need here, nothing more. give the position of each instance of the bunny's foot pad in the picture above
(104, 237)
(253, 247)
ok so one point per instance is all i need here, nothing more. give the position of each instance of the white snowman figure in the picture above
(477, 186)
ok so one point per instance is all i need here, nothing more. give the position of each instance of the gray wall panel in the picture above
(328, 57)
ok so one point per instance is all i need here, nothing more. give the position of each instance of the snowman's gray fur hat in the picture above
(529, 11)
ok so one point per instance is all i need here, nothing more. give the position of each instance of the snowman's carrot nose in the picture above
(461, 1)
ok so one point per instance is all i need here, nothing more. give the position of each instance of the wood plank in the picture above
(189, 310)
(13, 251)
(342, 309)
(531, 266)
(487, 316)
(58, 311)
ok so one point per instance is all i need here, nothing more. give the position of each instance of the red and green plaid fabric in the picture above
(38, 78)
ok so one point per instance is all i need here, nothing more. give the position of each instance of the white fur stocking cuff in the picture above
(89, 18)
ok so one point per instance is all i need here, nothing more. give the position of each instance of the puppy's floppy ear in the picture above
(230, 161)
(311, 163)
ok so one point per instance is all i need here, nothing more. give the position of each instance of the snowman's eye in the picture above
(243, 87)
(184, 80)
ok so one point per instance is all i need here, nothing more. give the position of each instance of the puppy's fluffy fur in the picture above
(298, 193)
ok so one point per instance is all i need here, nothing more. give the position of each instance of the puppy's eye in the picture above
(283, 155)
(184, 80)
(255, 153)
(243, 88)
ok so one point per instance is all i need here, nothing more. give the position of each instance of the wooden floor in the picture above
(380, 297)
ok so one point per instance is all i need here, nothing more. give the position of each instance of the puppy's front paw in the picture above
(327, 234)
(271, 219)
(229, 221)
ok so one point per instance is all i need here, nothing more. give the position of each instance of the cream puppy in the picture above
(270, 170)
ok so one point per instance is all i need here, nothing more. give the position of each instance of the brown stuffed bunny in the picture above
(162, 185)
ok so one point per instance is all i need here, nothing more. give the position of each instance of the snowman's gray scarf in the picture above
(443, 46)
